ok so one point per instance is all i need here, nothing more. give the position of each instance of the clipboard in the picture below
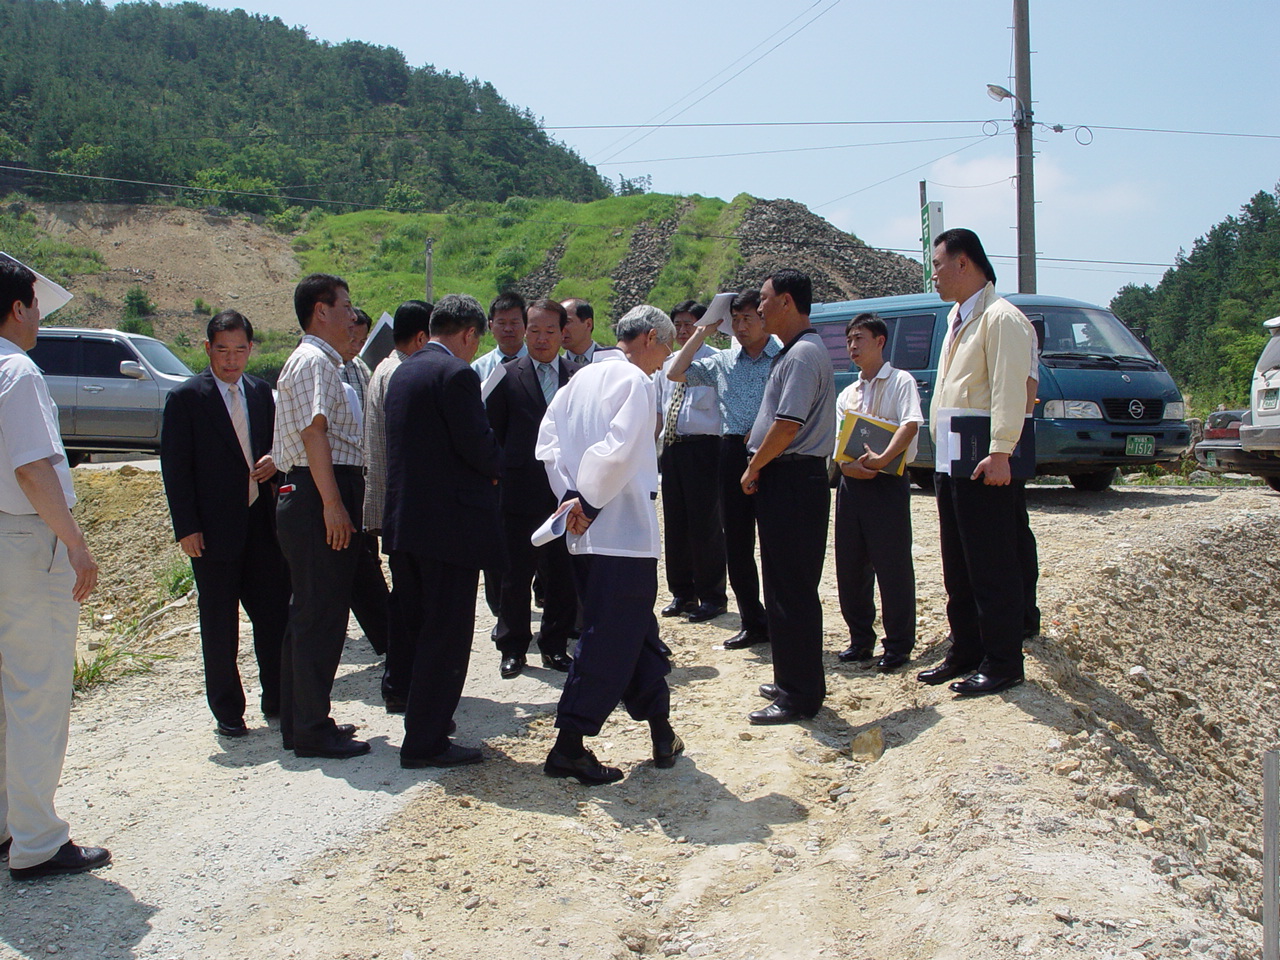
(857, 429)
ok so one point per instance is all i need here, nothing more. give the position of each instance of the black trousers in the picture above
(738, 515)
(259, 579)
(445, 597)
(370, 598)
(692, 535)
(873, 543)
(513, 633)
(619, 658)
(979, 528)
(793, 510)
(1029, 558)
(405, 625)
(318, 610)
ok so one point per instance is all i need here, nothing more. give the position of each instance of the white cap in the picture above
(50, 295)
(718, 314)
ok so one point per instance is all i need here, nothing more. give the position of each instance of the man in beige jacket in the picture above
(986, 360)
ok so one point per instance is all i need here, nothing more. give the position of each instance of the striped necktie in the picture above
(241, 423)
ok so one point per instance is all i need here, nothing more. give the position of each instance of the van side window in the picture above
(913, 346)
(101, 359)
(832, 335)
(56, 356)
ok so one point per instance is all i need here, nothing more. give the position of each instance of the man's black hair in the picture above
(17, 284)
(870, 323)
(509, 300)
(689, 306)
(229, 320)
(412, 317)
(454, 313)
(312, 289)
(581, 309)
(746, 300)
(795, 283)
(960, 240)
(362, 319)
(554, 306)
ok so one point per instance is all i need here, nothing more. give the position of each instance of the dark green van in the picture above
(1104, 402)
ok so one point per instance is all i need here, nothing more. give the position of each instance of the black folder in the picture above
(974, 443)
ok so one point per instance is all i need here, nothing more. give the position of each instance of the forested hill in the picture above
(190, 95)
(1204, 318)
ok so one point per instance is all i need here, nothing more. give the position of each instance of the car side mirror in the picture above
(133, 369)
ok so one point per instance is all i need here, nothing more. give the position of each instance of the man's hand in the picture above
(86, 569)
(994, 470)
(262, 471)
(192, 544)
(873, 461)
(338, 528)
(750, 481)
(856, 469)
(577, 522)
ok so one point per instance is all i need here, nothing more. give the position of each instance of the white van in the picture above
(1262, 436)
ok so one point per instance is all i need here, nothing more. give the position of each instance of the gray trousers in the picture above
(37, 658)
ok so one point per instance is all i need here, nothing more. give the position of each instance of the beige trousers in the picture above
(37, 657)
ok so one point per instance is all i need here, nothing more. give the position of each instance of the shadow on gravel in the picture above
(104, 920)
(1069, 500)
(680, 802)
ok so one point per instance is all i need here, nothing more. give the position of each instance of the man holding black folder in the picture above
(873, 501)
(985, 363)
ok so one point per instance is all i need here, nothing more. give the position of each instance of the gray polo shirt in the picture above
(802, 388)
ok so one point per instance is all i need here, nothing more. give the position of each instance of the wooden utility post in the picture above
(429, 280)
(1022, 125)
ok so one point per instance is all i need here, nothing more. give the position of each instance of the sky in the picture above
(879, 96)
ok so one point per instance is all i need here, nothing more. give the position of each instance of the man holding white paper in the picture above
(986, 360)
(873, 502)
(596, 441)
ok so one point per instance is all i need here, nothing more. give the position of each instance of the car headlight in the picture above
(1175, 411)
(1072, 410)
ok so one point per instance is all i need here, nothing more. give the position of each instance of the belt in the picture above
(798, 457)
(339, 470)
(740, 437)
(690, 437)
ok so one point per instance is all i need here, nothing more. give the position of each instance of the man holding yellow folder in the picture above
(873, 502)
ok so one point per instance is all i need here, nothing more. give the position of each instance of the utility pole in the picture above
(1022, 125)
(429, 279)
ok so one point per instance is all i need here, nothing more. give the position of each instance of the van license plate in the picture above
(1269, 398)
(1210, 459)
(1140, 445)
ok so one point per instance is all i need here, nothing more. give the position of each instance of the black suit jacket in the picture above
(206, 479)
(516, 408)
(442, 460)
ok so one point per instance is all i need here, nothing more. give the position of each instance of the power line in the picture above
(903, 173)
(763, 153)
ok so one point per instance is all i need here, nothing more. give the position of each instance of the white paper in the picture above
(380, 343)
(49, 295)
(718, 314)
(492, 380)
(554, 527)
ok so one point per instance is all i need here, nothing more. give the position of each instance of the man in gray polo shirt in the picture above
(789, 443)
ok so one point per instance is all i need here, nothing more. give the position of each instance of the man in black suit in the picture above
(441, 524)
(516, 407)
(216, 460)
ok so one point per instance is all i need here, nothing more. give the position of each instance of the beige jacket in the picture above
(986, 368)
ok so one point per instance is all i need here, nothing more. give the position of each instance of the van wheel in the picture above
(76, 457)
(1094, 482)
(922, 477)
(1273, 483)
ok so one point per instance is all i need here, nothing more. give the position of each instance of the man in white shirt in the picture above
(873, 508)
(47, 573)
(597, 443)
(507, 318)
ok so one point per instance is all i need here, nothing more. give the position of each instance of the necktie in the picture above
(673, 413)
(547, 380)
(241, 423)
(577, 359)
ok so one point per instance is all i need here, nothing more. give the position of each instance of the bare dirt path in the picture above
(1094, 812)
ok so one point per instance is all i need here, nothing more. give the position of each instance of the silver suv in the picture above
(110, 387)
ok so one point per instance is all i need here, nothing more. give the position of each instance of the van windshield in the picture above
(162, 358)
(1088, 335)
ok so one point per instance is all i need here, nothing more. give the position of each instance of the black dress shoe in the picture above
(345, 729)
(396, 704)
(453, 756)
(746, 638)
(586, 769)
(770, 691)
(891, 662)
(338, 748)
(232, 729)
(980, 684)
(706, 611)
(557, 661)
(678, 606)
(774, 714)
(664, 754)
(511, 667)
(855, 654)
(69, 859)
(943, 672)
